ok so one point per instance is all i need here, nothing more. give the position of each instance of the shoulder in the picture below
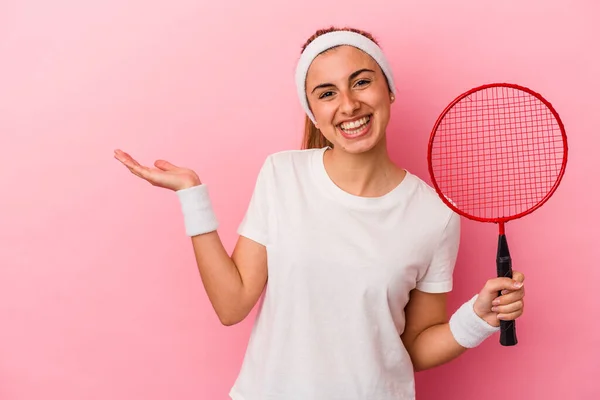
(429, 205)
(289, 158)
(283, 163)
(284, 169)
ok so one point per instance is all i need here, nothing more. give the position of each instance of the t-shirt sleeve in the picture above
(255, 223)
(438, 277)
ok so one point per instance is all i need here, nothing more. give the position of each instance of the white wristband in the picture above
(468, 328)
(198, 214)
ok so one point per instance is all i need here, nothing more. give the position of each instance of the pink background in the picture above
(99, 293)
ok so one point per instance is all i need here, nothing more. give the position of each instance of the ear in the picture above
(392, 98)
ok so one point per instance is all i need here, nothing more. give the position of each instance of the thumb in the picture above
(165, 165)
(493, 286)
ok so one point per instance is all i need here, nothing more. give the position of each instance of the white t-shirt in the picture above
(340, 269)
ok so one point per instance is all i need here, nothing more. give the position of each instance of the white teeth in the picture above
(355, 124)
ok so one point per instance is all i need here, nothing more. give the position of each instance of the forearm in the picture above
(434, 346)
(440, 342)
(220, 277)
(233, 284)
(231, 292)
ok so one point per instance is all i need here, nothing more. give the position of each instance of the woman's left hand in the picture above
(509, 306)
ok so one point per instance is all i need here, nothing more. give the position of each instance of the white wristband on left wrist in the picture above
(468, 329)
(198, 214)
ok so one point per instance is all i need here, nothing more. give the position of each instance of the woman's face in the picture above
(349, 96)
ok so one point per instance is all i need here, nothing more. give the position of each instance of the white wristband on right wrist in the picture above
(468, 329)
(198, 214)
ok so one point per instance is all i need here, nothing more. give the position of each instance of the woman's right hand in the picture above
(165, 175)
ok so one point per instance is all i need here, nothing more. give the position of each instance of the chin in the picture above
(358, 147)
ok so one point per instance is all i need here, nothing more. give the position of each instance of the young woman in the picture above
(358, 252)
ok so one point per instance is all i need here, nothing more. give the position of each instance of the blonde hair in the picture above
(313, 138)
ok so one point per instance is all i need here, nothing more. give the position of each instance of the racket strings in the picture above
(497, 153)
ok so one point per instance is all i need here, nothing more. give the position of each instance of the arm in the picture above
(233, 284)
(431, 339)
(427, 336)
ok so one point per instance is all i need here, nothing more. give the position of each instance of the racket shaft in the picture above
(508, 333)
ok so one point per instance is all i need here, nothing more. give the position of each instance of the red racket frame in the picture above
(503, 259)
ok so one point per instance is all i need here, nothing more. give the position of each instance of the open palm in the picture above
(165, 174)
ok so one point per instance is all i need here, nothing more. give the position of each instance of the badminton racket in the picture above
(497, 153)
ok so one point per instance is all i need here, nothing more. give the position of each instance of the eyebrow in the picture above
(352, 76)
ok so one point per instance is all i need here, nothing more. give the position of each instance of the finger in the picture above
(142, 172)
(505, 291)
(509, 297)
(145, 172)
(134, 162)
(127, 160)
(165, 165)
(122, 156)
(518, 276)
(510, 316)
(499, 284)
(135, 171)
(131, 160)
(509, 308)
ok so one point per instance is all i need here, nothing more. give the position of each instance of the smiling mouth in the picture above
(355, 128)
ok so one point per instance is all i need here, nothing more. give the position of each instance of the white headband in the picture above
(333, 39)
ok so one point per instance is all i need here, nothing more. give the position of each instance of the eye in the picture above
(362, 82)
(325, 94)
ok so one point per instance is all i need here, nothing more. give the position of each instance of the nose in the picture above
(349, 103)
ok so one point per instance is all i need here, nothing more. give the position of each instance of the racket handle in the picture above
(508, 332)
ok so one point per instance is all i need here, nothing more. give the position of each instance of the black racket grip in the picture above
(508, 331)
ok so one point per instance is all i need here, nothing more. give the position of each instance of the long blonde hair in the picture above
(313, 138)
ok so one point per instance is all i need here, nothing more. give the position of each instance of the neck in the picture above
(369, 174)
